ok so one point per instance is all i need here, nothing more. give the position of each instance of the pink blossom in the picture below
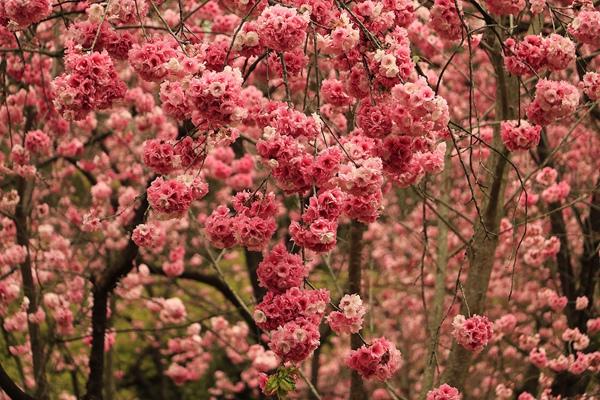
(280, 270)
(295, 341)
(379, 360)
(216, 99)
(350, 317)
(173, 311)
(319, 235)
(520, 135)
(505, 7)
(172, 198)
(556, 192)
(585, 27)
(581, 303)
(159, 156)
(527, 56)
(37, 142)
(282, 28)
(27, 12)
(591, 85)
(220, 229)
(90, 83)
(472, 333)
(445, 19)
(554, 100)
(560, 52)
(149, 236)
(444, 392)
(332, 91)
(277, 309)
(547, 176)
(159, 57)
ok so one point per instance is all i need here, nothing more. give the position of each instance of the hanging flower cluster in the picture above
(91, 83)
(520, 135)
(534, 53)
(505, 7)
(172, 198)
(280, 270)
(444, 392)
(553, 101)
(252, 225)
(585, 27)
(349, 318)
(161, 57)
(281, 28)
(472, 333)
(379, 360)
(27, 12)
(446, 19)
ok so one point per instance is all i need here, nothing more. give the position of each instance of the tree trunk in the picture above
(25, 190)
(357, 389)
(440, 280)
(481, 253)
(95, 381)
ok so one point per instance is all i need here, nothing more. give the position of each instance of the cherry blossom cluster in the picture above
(277, 309)
(378, 360)
(585, 27)
(473, 333)
(318, 230)
(281, 28)
(280, 270)
(446, 19)
(94, 32)
(520, 135)
(149, 236)
(171, 310)
(535, 53)
(293, 167)
(90, 83)
(174, 265)
(591, 85)
(215, 98)
(444, 392)
(349, 318)
(172, 198)
(293, 319)
(505, 7)
(161, 57)
(25, 12)
(252, 226)
(537, 248)
(166, 156)
(553, 101)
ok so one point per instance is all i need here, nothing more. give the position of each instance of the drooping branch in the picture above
(224, 289)
(10, 387)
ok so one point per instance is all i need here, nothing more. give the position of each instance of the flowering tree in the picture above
(235, 199)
